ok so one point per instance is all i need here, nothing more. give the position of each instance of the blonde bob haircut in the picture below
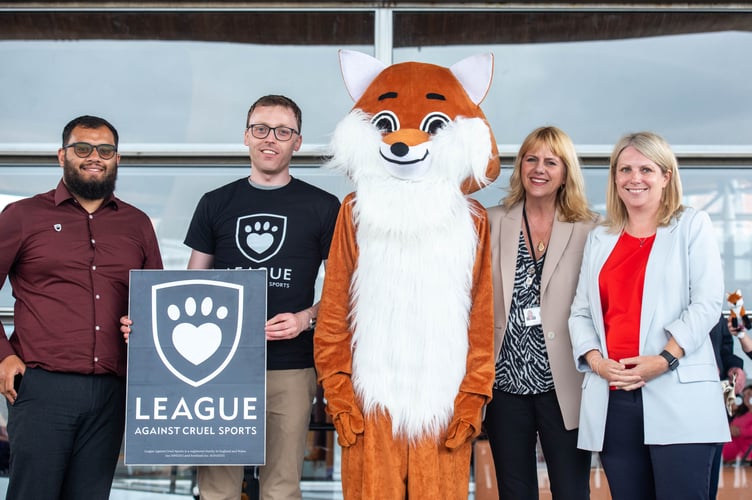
(656, 149)
(571, 202)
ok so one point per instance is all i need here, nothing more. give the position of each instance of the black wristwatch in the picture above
(672, 361)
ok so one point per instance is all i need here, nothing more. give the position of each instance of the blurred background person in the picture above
(730, 369)
(650, 290)
(741, 430)
(537, 236)
(745, 341)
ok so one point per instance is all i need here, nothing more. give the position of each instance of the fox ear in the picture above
(359, 70)
(475, 74)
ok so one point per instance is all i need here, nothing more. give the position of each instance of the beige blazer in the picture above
(558, 285)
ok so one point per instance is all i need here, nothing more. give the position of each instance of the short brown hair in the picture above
(277, 100)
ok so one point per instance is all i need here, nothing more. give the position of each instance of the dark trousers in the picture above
(715, 471)
(513, 423)
(650, 472)
(65, 432)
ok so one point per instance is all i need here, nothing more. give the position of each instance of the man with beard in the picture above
(67, 253)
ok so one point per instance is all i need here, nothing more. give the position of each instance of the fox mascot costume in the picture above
(404, 339)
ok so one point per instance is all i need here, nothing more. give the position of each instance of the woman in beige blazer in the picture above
(537, 235)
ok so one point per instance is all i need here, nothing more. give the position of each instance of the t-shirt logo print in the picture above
(196, 326)
(260, 236)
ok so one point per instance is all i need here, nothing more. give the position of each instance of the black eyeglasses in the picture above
(260, 131)
(84, 149)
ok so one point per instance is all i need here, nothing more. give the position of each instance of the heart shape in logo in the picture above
(196, 343)
(259, 243)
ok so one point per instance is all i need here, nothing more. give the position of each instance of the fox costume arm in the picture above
(476, 387)
(332, 343)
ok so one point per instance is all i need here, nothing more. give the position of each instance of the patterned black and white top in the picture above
(522, 367)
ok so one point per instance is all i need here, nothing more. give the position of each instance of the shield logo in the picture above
(260, 236)
(196, 326)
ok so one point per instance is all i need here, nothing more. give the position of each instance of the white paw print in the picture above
(260, 236)
(197, 342)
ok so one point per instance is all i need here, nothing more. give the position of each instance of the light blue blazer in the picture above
(682, 297)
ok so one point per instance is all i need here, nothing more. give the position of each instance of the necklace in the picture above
(641, 241)
(541, 246)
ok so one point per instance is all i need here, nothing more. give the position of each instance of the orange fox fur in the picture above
(404, 340)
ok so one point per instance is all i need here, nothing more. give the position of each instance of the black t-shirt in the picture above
(287, 231)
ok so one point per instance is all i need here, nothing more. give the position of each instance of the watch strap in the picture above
(670, 359)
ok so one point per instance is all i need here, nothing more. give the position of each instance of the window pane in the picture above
(726, 194)
(598, 80)
(168, 195)
(162, 79)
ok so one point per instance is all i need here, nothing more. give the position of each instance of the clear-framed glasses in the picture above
(260, 131)
(84, 149)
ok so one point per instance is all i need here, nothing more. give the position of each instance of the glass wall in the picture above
(597, 90)
(172, 81)
(169, 193)
(178, 83)
(182, 82)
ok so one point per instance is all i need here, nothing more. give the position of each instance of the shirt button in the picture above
(96, 328)
(93, 241)
(96, 296)
(96, 359)
(551, 335)
(91, 216)
(93, 268)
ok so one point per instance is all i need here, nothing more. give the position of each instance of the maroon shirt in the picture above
(69, 271)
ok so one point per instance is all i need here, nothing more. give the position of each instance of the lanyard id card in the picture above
(532, 316)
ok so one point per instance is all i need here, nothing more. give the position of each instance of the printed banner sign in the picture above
(196, 368)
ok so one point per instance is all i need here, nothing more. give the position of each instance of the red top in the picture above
(621, 283)
(70, 270)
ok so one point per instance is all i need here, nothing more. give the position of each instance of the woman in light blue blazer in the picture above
(650, 289)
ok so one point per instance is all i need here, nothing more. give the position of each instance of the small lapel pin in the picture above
(58, 227)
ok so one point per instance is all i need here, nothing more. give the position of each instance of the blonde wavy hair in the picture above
(656, 149)
(571, 201)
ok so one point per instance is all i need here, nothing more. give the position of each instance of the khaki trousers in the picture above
(289, 400)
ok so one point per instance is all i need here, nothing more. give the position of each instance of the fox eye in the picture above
(434, 122)
(386, 122)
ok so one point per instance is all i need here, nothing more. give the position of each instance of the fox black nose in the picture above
(399, 149)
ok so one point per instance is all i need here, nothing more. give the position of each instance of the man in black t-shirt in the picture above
(271, 220)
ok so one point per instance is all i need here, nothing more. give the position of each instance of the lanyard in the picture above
(538, 268)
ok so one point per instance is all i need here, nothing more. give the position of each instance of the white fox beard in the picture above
(411, 290)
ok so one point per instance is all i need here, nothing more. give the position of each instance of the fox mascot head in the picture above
(416, 122)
